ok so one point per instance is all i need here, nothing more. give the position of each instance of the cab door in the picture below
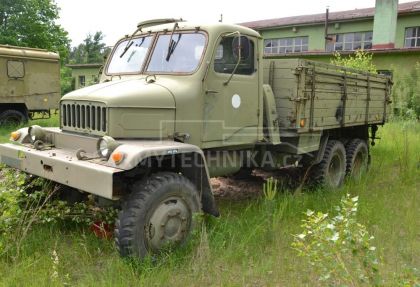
(231, 96)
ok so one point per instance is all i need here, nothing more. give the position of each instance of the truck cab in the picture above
(180, 81)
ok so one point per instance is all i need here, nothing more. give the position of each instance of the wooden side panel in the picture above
(316, 96)
(284, 83)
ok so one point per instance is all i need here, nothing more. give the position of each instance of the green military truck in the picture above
(29, 83)
(179, 103)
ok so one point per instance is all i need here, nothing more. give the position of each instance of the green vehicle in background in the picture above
(29, 83)
(179, 103)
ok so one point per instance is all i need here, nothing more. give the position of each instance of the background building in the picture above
(84, 74)
(389, 31)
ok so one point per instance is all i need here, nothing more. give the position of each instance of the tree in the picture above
(360, 61)
(66, 80)
(406, 93)
(92, 50)
(31, 23)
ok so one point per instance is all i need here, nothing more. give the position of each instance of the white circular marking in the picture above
(236, 101)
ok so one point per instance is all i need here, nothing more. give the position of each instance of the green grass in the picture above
(243, 247)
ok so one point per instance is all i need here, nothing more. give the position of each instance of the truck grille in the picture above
(84, 117)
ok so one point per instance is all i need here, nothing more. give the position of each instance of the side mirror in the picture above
(241, 47)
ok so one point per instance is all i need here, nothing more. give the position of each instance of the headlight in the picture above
(36, 133)
(106, 145)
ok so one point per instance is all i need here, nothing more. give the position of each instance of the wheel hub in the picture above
(168, 224)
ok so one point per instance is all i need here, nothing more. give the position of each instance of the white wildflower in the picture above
(335, 237)
(301, 236)
(55, 262)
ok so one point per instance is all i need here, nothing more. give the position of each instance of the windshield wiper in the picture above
(128, 46)
(139, 45)
(172, 44)
(130, 42)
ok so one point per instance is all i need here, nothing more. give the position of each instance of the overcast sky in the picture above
(117, 18)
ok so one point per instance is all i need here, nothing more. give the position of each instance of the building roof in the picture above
(83, 66)
(404, 8)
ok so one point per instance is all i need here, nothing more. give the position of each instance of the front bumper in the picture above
(95, 175)
(62, 166)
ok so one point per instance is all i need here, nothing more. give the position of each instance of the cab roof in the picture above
(208, 27)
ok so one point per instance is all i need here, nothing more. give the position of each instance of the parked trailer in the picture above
(29, 83)
(181, 102)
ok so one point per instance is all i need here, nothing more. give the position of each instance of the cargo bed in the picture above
(324, 96)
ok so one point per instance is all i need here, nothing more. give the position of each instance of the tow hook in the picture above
(81, 155)
(40, 145)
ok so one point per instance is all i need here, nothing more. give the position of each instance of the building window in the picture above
(219, 52)
(412, 37)
(385, 73)
(82, 81)
(350, 41)
(286, 45)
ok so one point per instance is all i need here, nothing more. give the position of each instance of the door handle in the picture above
(211, 92)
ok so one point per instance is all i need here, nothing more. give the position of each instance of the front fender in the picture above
(185, 158)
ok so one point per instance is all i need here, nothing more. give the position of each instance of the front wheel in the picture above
(158, 213)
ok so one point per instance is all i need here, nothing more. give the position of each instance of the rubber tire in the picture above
(130, 226)
(19, 117)
(353, 149)
(320, 172)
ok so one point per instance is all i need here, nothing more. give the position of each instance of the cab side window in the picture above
(227, 54)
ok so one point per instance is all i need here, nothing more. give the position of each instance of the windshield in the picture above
(129, 58)
(182, 55)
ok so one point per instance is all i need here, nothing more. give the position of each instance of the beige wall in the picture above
(91, 76)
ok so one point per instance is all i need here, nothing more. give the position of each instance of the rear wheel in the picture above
(331, 170)
(357, 158)
(158, 213)
(12, 117)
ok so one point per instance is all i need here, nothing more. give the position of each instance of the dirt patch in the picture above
(252, 187)
(237, 189)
